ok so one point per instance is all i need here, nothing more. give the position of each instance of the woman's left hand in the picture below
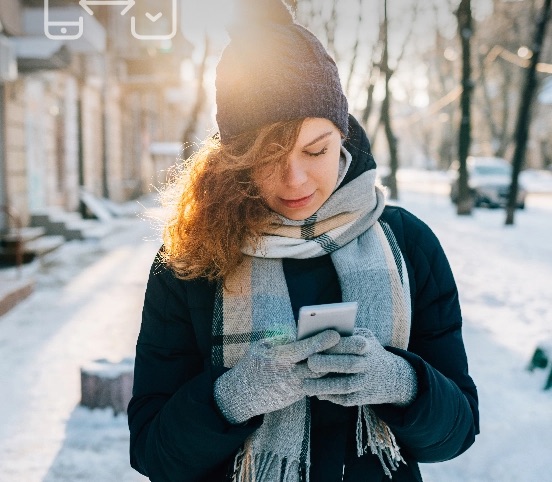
(361, 372)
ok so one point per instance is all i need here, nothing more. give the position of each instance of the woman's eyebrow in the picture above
(319, 138)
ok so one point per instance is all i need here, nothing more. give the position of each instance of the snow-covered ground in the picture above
(503, 278)
(87, 306)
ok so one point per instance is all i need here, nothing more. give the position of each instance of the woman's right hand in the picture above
(269, 376)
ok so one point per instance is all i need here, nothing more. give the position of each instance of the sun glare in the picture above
(208, 16)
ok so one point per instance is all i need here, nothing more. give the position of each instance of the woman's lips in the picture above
(297, 203)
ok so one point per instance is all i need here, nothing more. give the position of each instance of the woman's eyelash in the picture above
(319, 153)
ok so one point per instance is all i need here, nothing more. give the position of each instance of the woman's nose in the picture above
(294, 174)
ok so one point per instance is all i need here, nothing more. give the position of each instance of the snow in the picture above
(536, 181)
(109, 370)
(503, 277)
(87, 305)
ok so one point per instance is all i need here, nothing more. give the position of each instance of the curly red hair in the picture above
(215, 205)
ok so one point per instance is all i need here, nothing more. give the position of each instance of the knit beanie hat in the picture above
(274, 70)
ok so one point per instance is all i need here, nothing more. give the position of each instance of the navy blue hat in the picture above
(275, 70)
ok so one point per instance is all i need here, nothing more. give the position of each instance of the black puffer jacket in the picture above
(176, 431)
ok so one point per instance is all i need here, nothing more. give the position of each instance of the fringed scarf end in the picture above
(251, 468)
(379, 438)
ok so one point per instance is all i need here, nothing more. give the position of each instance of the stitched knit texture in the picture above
(275, 70)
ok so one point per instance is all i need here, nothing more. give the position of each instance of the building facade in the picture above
(79, 114)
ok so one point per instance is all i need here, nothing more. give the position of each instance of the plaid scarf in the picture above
(254, 304)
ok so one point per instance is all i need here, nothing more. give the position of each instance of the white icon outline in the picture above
(63, 25)
(85, 4)
(156, 37)
(129, 4)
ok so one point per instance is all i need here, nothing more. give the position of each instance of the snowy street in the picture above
(87, 305)
(503, 277)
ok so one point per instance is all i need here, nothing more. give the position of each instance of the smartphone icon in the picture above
(151, 19)
(66, 30)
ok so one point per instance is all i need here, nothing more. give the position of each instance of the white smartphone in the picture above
(332, 316)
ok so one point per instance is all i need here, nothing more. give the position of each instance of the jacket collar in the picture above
(358, 145)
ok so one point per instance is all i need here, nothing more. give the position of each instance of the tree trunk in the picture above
(386, 114)
(369, 103)
(106, 384)
(465, 30)
(504, 138)
(524, 115)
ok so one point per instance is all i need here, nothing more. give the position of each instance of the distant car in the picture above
(489, 180)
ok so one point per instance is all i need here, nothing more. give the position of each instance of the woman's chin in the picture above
(297, 211)
(298, 214)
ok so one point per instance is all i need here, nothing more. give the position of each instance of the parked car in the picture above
(489, 180)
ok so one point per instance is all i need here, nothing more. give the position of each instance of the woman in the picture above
(278, 211)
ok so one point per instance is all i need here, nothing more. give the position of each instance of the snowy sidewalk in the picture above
(503, 275)
(86, 306)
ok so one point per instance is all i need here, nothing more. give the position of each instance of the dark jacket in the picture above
(177, 433)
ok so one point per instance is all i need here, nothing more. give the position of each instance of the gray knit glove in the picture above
(373, 375)
(269, 376)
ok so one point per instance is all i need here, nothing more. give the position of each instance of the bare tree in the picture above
(356, 46)
(372, 77)
(441, 85)
(317, 17)
(385, 111)
(465, 31)
(498, 78)
(497, 81)
(385, 118)
(524, 115)
(330, 27)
